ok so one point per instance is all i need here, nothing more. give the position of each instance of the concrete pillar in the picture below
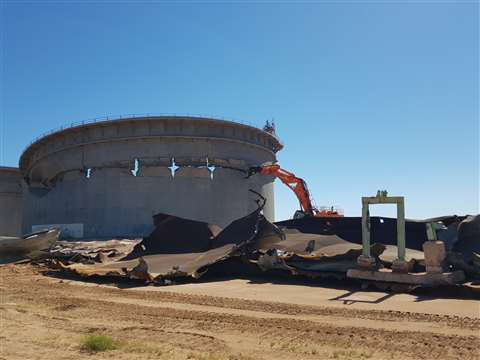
(434, 256)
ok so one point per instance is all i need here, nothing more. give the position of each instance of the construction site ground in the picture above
(46, 316)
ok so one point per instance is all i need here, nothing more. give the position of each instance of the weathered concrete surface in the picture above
(10, 202)
(113, 202)
(425, 279)
(435, 255)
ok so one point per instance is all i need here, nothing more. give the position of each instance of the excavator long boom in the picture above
(298, 185)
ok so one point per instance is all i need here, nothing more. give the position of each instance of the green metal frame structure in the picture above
(383, 198)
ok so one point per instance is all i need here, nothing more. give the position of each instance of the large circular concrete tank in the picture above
(81, 178)
(10, 201)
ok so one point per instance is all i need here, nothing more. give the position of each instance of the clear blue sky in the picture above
(365, 95)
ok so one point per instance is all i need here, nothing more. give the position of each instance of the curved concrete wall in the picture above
(113, 202)
(10, 202)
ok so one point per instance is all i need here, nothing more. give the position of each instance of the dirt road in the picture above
(43, 317)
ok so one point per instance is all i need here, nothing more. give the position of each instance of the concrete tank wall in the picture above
(113, 202)
(10, 202)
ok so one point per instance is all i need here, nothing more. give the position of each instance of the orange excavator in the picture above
(299, 187)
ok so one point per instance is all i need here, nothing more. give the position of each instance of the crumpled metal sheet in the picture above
(382, 229)
(183, 248)
(176, 235)
(312, 254)
(161, 267)
(252, 238)
(93, 251)
(243, 230)
(468, 237)
(14, 249)
(307, 243)
(157, 268)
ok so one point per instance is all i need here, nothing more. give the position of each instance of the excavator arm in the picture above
(299, 187)
(296, 184)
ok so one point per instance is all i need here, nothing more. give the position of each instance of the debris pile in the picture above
(183, 249)
(89, 252)
(312, 255)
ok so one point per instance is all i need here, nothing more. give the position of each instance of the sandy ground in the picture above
(46, 317)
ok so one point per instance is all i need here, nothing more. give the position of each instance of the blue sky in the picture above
(365, 95)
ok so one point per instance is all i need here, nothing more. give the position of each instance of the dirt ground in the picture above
(44, 316)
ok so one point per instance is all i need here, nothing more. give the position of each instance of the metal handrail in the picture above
(129, 116)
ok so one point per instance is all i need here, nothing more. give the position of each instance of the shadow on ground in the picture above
(253, 276)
